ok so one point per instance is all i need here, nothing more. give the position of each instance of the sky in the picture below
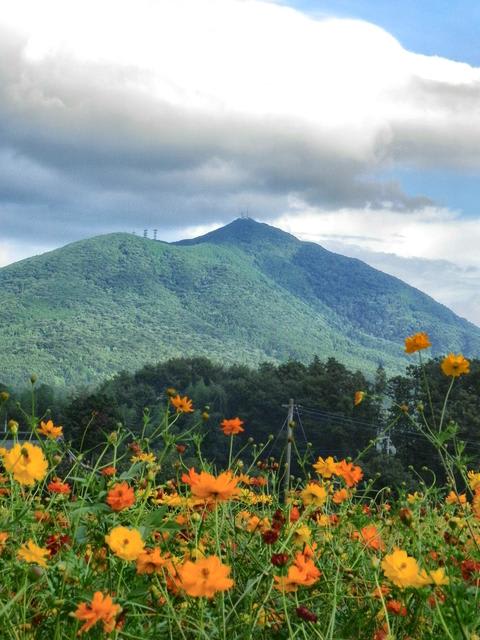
(352, 123)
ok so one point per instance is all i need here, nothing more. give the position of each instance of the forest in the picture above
(380, 432)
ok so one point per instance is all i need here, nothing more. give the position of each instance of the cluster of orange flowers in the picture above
(351, 473)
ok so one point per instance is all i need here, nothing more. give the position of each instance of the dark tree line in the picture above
(326, 420)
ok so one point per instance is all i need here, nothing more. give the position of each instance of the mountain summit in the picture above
(246, 292)
(245, 232)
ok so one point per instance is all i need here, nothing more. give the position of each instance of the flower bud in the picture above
(33, 378)
(306, 614)
(4, 396)
(36, 572)
(279, 559)
(406, 516)
(13, 427)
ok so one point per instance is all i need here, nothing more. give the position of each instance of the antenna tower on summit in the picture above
(155, 231)
(145, 233)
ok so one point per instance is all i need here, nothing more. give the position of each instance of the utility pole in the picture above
(289, 449)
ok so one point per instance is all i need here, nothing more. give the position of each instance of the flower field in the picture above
(102, 544)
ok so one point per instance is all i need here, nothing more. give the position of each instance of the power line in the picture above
(343, 421)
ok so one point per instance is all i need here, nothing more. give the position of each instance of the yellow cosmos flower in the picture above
(473, 480)
(438, 577)
(26, 462)
(32, 553)
(455, 366)
(403, 570)
(144, 457)
(48, 430)
(326, 468)
(314, 494)
(125, 543)
(412, 498)
(301, 535)
(323, 520)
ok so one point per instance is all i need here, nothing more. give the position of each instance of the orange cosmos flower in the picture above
(48, 430)
(452, 498)
(417, 342)
(205, 577)
(108, 471)
(232, 427)
(57, 486)
(303, 573)
(340, 496)
(150, 561)
(182, 405)
(207, 487)
(121, 496)
(101, 609)
(370, 537)
(3, 540)
(358, 398)
(455, 366)
(349, 472)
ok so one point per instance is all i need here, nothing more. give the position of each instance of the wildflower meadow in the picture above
(102, 543)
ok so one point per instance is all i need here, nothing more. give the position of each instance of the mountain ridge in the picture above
(246, 293)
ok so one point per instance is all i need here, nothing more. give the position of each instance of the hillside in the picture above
(244, 293)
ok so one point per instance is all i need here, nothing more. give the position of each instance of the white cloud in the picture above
(12, 252)
(429, 233)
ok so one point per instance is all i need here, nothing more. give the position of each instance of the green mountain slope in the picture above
(244, 293)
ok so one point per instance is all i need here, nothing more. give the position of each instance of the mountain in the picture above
(244, 293)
